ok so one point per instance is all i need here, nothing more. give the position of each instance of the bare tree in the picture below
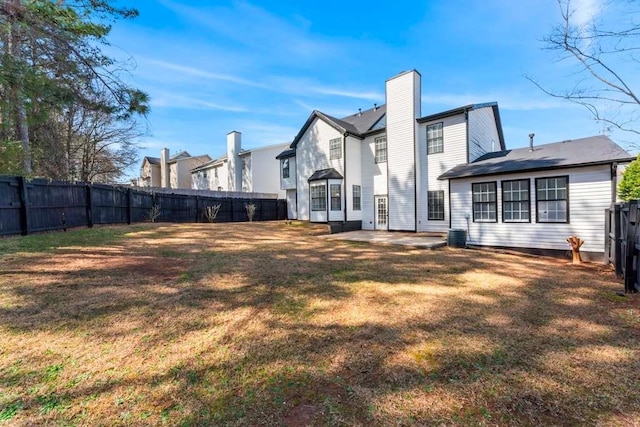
(605, 49)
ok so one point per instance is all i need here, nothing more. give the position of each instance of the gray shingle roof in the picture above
(356, 124)
(286, 153)
(592, 150)
(321, 174)
(153, 160)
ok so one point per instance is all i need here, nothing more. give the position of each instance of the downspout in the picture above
(614, 181)
(344, 170)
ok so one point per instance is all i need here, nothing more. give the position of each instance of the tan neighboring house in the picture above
(169, 171)
(149, 173)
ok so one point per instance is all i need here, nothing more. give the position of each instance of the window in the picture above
(552, 197)
(336, 197)
(435, 141)
(335, 149)
(484, 202)
(318, 197)
(215, 172)
(515, 201)
(219, 188)
(381, 149)
(357, 198)
(285, 168)
(436, 205)
(244, 164)
(204, 174)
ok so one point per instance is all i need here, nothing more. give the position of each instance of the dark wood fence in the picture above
(622, 242)
(29, 206)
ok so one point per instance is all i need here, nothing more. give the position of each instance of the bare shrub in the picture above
(251, 210)
(154, 212)
(211, 212)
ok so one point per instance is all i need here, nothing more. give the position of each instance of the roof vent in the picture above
(359, 111)
(531, 135)
(375, 107)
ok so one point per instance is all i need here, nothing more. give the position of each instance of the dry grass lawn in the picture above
(265, 324)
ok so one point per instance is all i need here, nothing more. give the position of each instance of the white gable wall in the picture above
(312, 154)
(431, 166)
(589, 196)
(483, 133)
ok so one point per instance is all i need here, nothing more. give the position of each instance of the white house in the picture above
(386, 169)
(255, 170)
(149, 173)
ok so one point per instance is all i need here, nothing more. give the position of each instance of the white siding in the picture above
(265, 170)
(403, 108)
(589, 196)
(292, 212)
(483, 133)
(312, 154)
(430, 167)
(353, 176)
(289, 183)
(374, 181)
(245, 164)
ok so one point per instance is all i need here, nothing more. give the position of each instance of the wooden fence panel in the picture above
(10, 205)
(43, 205)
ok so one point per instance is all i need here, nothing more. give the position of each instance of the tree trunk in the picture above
(20, 110)
(575, 243)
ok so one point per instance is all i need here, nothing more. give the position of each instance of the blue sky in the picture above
(260, 68)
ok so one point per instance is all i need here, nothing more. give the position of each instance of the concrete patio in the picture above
(415, 240)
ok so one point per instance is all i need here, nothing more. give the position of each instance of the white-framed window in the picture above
(435, 140)
(336, 196)
(285, 168)
(435, 206)
(515, 201)
(318, 197)
(219, 188)
(215, 172)
(335, 149)
(204, 174)
(552, 199)
(485, 202)
(381, 149)
(245, 164)
(357, 198)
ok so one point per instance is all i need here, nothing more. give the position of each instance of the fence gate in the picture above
(622, 242)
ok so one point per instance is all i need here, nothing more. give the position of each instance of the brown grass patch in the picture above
(262, 323)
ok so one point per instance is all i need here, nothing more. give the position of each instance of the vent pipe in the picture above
(375, 107)
(531, 135)
(359, 111)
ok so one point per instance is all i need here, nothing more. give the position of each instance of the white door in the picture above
(382, 213)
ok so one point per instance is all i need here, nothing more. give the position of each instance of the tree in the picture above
(604, 47)
(61, 96)
(629, 187)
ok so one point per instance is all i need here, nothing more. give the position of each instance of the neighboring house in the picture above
(536, 197)
(149, 173)
(168, 171)
(388, 168)
(254, 170)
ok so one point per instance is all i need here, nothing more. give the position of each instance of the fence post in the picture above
(617, 231)
(630, 238)
(89, 206)
(607, 236)
(231, 204)
(197, 209)
(128, 205)
(24, 206)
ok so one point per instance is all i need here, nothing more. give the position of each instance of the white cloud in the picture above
(585, 11)
(172, 100)
(505, 101)
(368, 95)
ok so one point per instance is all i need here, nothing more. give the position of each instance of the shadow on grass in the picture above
(261, 324)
